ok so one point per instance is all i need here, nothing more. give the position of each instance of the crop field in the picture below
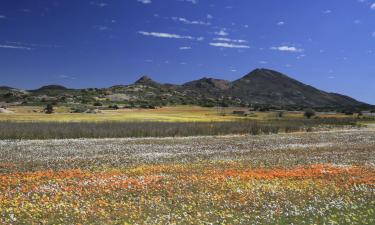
(300, 178)
(165, 114)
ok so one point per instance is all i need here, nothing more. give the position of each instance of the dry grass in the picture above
(166, 114)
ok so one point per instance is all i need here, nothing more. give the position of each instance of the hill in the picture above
(261, 87)
(264, 86)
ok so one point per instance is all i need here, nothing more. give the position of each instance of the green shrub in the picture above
(309, 113)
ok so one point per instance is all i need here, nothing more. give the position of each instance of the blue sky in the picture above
(329, 44)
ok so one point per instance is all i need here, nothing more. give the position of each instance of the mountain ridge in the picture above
(259, 87)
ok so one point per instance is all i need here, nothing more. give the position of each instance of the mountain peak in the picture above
(6, 88)
(262, 72)
(207, 83)
(146, 80)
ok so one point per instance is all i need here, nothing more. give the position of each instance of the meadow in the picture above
(301, 178)
(185, 165)
(165, 114)
(63, 130)
(31, 123)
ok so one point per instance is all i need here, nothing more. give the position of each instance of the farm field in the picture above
(165, 114)
(300, 178)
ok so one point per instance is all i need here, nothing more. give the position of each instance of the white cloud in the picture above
(373, 34)
(222, 32)
(67, 77)
(301, 56)
(2, 17)
(191, 1)
(31, 45)
(281, 23)
(230, 40)
(165, 35)
(15, 47)
(327, 11)
(209, 17)
(228, 45)
(145, 1)
(99, 4)
(373, 6)
(101, 28)
(185, 48)
(287, 49)
(192, 22)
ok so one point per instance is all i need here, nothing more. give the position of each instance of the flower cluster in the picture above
(279, 179)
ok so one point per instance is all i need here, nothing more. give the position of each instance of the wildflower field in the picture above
(300, 178)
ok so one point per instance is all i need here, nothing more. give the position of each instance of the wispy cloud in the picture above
(15, 47)
(228, 45)
(222, 32)
(373, 6)
(31, 45)
(2, 17)
(281, 23)
(165, 35)
(99, 4)
(286, 48)
(327, 11)
(66, 77)
(191, 1)
(101, 27)
(191, 22)
(145, 1)
(373, 34)
(185, 48)
(230, 40)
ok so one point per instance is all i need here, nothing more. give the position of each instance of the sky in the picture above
(329, 44)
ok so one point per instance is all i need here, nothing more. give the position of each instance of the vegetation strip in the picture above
(56, 130)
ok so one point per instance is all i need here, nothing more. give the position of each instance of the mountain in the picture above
(264, 86)
(5, 88)
(146, 81)
(261, 87)
(208, 87)
(52, 88)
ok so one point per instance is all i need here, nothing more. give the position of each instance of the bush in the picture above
(98, 104)
(114, 107)
(79, 109)
(280, 114)
(309, 113)
(49, 109)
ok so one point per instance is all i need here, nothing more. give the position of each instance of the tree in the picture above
(49, 109)
(309, 113)
(280, 114)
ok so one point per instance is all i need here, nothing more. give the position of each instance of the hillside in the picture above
(261, 87)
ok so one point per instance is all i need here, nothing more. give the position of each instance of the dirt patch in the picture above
(5, 111)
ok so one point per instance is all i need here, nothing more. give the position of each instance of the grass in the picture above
(166, 114)
(61, 130)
